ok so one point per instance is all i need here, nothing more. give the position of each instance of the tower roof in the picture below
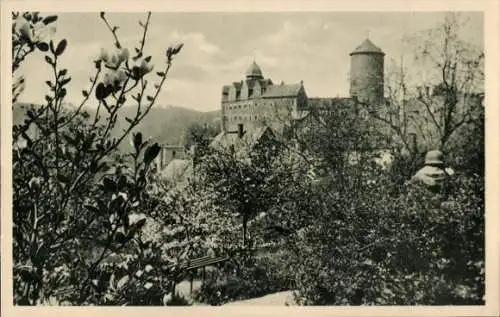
(367, 47)
(254, 71)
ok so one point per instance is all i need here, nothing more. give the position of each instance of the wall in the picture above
(367, 77)
(168, 153)
(253, 113)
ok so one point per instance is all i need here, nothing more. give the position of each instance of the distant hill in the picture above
(166, 125)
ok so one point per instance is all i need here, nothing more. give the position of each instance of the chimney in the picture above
(162, 150)
(240, 130)
(413, 142)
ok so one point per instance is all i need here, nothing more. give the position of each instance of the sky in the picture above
(218, 48)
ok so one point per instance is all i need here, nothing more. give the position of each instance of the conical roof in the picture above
(367, 47)
(254, 71)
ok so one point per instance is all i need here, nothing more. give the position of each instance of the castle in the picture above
(255, 109)
(256, 101)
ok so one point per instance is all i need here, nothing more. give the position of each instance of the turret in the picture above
(367, 73)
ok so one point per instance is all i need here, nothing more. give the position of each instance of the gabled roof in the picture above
(266, 82)
(177, 171)
(367, 47)
(250, 82)
(246, 143)
(238, 85)
(277, 91)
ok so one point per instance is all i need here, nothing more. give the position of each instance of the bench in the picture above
(194, 264)
(203, 261)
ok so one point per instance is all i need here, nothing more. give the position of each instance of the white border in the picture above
(491, 9)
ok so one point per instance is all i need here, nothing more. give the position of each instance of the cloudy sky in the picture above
(219, 47)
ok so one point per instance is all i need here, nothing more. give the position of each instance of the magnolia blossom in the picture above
(26, 31)
(114, 58)
(114, 77)
(33, 32)
(141, 68)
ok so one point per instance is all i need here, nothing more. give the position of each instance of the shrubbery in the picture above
(75, 195)
(405, 249)
(246, 277)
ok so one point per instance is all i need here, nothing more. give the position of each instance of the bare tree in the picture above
(442, 90)
(459, 78)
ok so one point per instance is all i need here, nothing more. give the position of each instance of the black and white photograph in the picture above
(246, 158)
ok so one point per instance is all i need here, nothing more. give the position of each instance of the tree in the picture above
(201, 135)
(367, 239)
(456, 97)
(440, 93)
(74, 193)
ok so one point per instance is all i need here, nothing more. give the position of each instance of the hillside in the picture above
(162, 124)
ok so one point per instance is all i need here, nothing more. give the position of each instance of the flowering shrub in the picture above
(75, 195)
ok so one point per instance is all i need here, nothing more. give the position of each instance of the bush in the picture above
(243, 278)
(376, 248)
(74, 193)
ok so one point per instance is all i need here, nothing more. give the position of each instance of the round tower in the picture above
(367, 73)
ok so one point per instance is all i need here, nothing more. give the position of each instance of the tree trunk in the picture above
(244, 232)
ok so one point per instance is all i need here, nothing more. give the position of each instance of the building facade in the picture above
(256, 101)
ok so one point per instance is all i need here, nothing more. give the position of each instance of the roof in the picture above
(171, 146)
(177, 170)
(254, 70)
(250, 82)
(249, 140)
(299, 114)
(367, 47)
(238, 85)
(276, 91)
(266, 82)
(328, 103)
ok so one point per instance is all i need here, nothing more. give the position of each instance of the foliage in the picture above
(28, 32)
(74, 194)
(368, 237)
(408, 249)
(244, 278)
(201, 135)
(237, 187)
